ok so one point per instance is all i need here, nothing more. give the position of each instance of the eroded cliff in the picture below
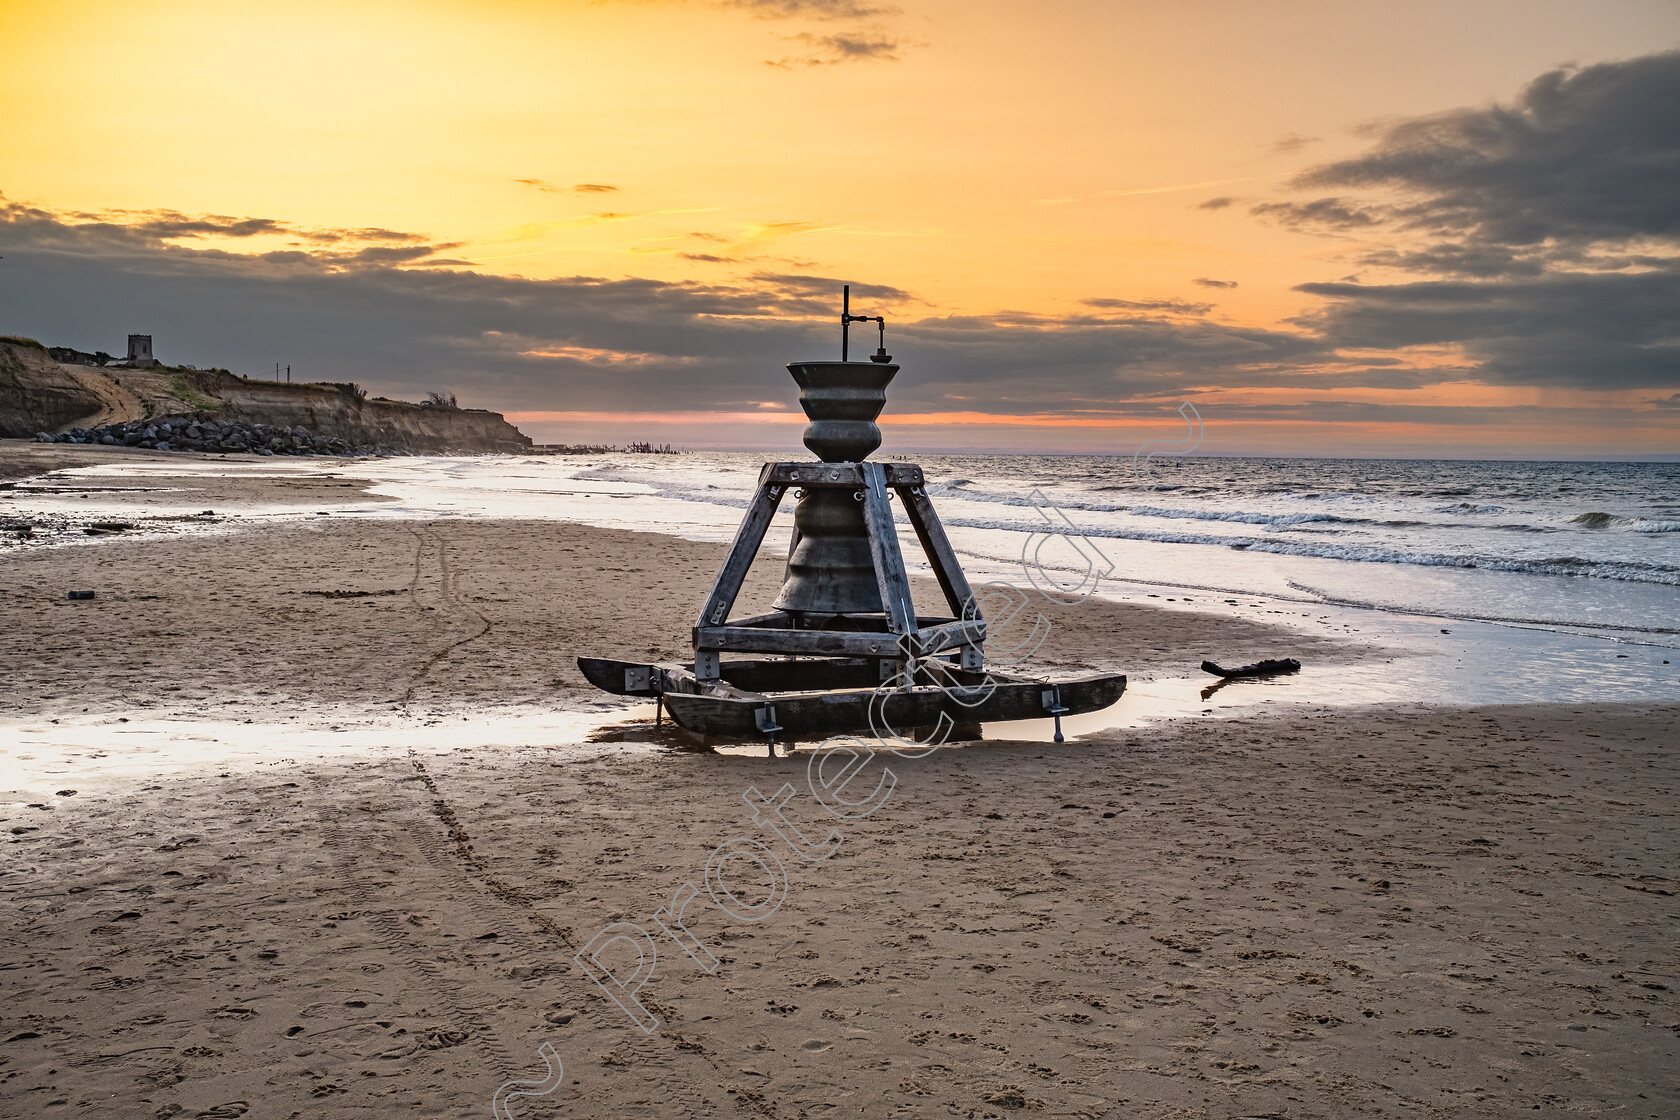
(37, 394)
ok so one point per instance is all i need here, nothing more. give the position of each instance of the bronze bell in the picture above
(831, 570)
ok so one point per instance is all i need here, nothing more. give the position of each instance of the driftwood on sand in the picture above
(1258, 669)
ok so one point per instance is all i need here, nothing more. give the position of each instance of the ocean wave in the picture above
(1600, 520)
(1469, 507)
(682, 494)
(1161, 488)
(664, 488)
(959, 489)
(968, 491)
(607, 474)
(1629, 571)
(1085, 505)
(1596, 520)
(1521, 620)
(1276, 520)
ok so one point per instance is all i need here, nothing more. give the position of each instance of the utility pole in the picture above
(288, 373)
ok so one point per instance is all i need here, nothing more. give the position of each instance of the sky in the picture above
(1369, 229)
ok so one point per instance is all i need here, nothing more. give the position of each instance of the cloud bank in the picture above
(1535, 244)
(407, 317)
(1546, 233)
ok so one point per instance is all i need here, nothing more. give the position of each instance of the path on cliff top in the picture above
(116, 404)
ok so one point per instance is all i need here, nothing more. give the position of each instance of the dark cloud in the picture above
(378, 254)
(1320, 215)
(1584, 163)
(378, 235)
(1371, 377)
(1587, 330)
(848, 46)
(1283, 145)
(1449, 258)
(1433, 415)
(1210, 283)
(122, 233)
(1546, 233)
(1176, 306)
(706, 258)
(831, 50)
(809, 9)
(864, 43)
(582, 343)
(404, 318)
(794, 286)
(1587, 155)
(1216, 203)
(1019, 362)
(173, 225)
(576, 188)
(1667, 402)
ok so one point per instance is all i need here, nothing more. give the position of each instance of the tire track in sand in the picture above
(466, 865)
(430, 541)
(427, 976)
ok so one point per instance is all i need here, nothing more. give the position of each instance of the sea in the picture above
(1590, 546)
(1492, 581)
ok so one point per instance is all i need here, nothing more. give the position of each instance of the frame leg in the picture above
(734, 571)
(883, 549)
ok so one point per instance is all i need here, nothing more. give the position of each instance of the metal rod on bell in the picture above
(845, 320)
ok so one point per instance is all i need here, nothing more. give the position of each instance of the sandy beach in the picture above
(308, 816)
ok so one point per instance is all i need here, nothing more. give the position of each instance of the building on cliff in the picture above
(72, 357)
(140, 351)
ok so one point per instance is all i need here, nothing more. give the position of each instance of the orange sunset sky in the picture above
(1430, 229)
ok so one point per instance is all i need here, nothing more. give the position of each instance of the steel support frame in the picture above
(878, 482)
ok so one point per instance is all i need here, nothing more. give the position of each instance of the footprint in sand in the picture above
(229, 1111)
(815, 1044)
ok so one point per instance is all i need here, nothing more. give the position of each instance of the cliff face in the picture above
(340, 412)
(38, 394)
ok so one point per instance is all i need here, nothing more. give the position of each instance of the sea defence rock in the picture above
(185, 433)
(41, 399)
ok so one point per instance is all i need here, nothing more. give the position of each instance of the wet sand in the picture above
(1298, 912)
(286, 618)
